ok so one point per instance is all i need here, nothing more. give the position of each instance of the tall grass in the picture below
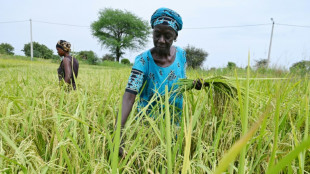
(44, 129)
(244, 118)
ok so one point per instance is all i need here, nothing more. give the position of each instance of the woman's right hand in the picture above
(127, 103)
(121, 151)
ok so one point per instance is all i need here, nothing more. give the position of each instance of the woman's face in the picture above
(60, 51)
(163, 37)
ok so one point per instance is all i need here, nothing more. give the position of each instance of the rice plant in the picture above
(45, 129)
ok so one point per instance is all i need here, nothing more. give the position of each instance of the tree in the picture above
(195, 56)
(262, 63)
(6, 48)
(125, 61)
(118, 30)
(231, 65)
(302, 67)
(89, 56)
(39, 50)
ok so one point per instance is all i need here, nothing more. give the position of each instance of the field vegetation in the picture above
(264, 128)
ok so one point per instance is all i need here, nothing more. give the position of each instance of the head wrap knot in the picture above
(168, 17)
(64, 45)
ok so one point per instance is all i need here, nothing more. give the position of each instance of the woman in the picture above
(158, 67)
(69, 66)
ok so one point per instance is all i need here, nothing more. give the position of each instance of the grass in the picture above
(44, 129)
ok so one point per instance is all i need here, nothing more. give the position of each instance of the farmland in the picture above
(44, 129)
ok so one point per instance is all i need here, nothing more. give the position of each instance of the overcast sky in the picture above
(291, 42)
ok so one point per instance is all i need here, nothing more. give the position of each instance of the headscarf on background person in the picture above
(64, 45)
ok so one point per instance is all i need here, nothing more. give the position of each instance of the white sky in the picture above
(290, 44)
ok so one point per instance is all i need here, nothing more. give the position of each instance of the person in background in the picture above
(157, 67)
(69, 66)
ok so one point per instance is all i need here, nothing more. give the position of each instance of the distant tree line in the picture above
(195, 57)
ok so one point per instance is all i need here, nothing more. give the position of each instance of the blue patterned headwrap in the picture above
(168, 17)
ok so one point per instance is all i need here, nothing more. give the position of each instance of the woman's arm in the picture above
(128, 101)
(67, 67)
(135, 82)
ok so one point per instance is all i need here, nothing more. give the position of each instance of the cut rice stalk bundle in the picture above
(222, 88)
(219, 84)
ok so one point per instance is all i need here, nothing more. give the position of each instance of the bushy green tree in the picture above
(125, 61)
(195, 56)
(302, 67)
(231, 65)
(119, 30)
(261, 63)
(39, 50)
(6, 48)
(89, 56)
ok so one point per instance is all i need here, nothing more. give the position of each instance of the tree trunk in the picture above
(118, 54)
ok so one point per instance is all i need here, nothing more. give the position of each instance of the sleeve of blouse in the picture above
(137, 76)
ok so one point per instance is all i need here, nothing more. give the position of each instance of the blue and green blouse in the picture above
(149, 79)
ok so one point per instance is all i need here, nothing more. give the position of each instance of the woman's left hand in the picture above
(198, 84)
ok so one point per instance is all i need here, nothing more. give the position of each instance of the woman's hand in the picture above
(198, 83)
(121, 151)
(127, 103)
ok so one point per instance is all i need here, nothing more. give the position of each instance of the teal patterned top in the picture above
(145, 72)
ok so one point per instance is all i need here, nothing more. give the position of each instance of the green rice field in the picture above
(264, 128)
